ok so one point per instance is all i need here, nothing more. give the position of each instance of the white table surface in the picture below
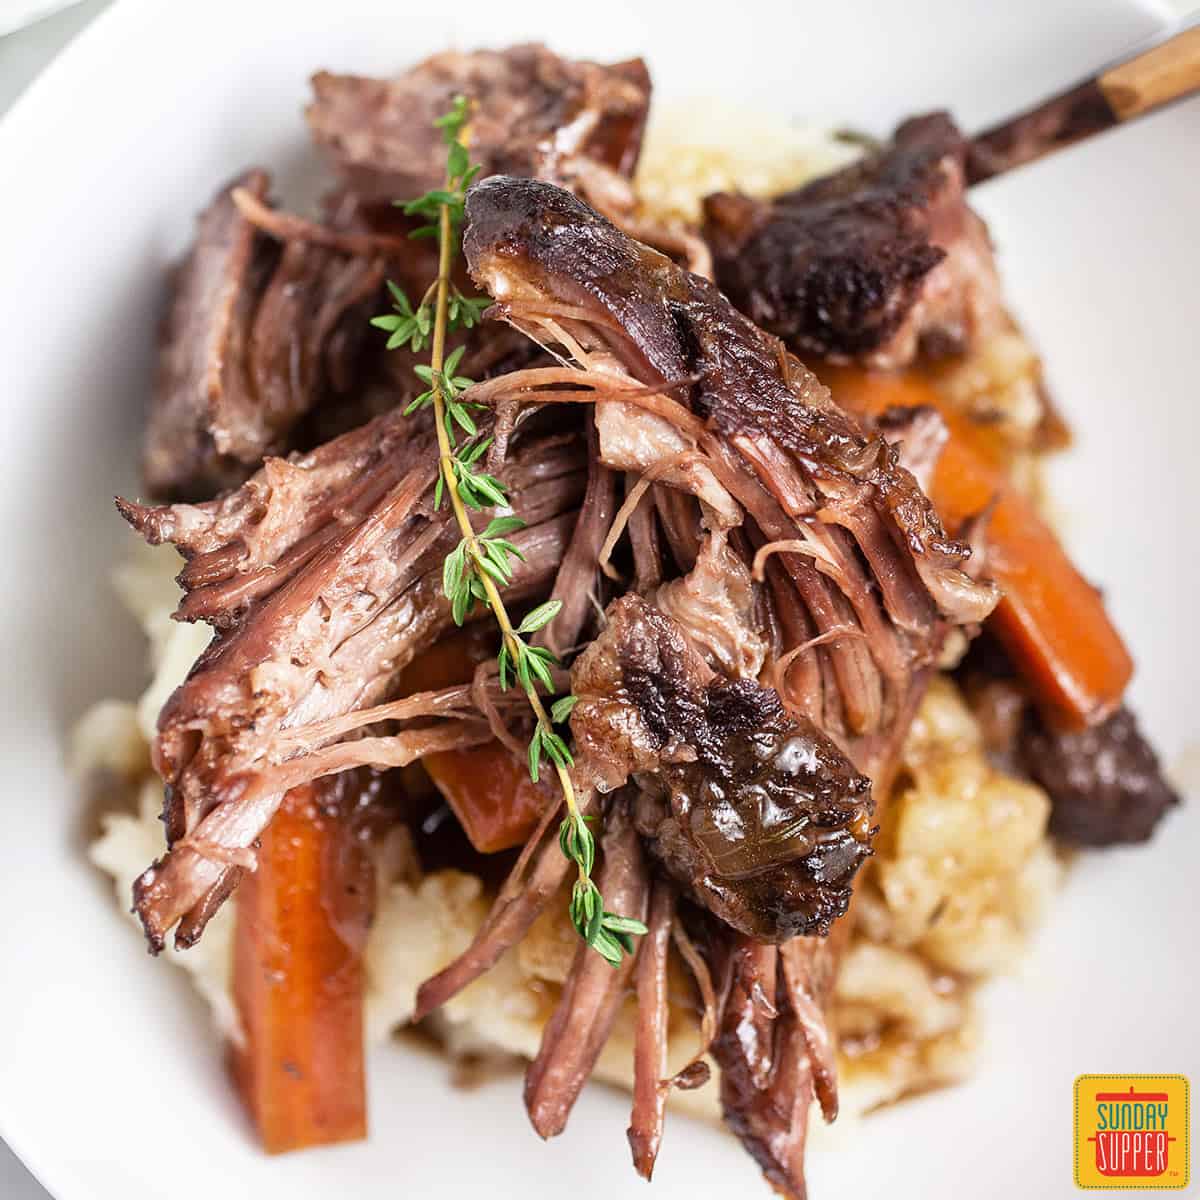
(22, 56)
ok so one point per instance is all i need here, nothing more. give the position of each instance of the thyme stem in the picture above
(480, 564)
(446, 457)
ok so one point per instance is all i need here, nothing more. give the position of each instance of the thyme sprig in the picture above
(482, 563)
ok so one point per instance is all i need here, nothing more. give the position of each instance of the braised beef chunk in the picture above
(194, 444)
(323, 577)
(749, 1049)
(874, 262)
(651, 983)
(756, 813)
(1105, 783)
(531, 109)
(257, 336)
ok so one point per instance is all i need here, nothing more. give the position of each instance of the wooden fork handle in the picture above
(1167, 71)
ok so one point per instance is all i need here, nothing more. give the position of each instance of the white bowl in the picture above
(111, 1084)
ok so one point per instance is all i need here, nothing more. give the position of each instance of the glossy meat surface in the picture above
(1105, 783)
(758, 815)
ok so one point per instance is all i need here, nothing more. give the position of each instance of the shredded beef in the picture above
(323, 577)
(256, 337)
(531, 110)
(202, 396)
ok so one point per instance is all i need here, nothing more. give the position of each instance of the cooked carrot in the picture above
(1051, 620)
(489, 790)
(298, 976)
(487, 787)
(448, 661)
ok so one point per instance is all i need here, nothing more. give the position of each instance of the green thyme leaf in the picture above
(461, 605)
(566, 838)
(607, 947)
(472, 311)
(496, 551)
(523, 677)
(535, 754)
(452, 121)
(507, 547)
(586, 906)
(460, 414)
(560, 710)
(577, 843)
(475, 451)
(421, 401)
(403, 324)
(496, 565)
(457, 162)
(540, 672)
(430, 204)
(501, 525)
(453, 569)
(486, 565)
(595, 923)
(400, 298)
(540, 616)
(618, 924)
(556, 748)
(490, 489)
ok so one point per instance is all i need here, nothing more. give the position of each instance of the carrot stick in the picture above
(490, 792)
(298, 976)
(450, 660)
(1051, 620)
(487, 787)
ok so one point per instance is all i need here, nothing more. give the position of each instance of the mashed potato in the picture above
(963, 869)
(683, 160)
(963, 865)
